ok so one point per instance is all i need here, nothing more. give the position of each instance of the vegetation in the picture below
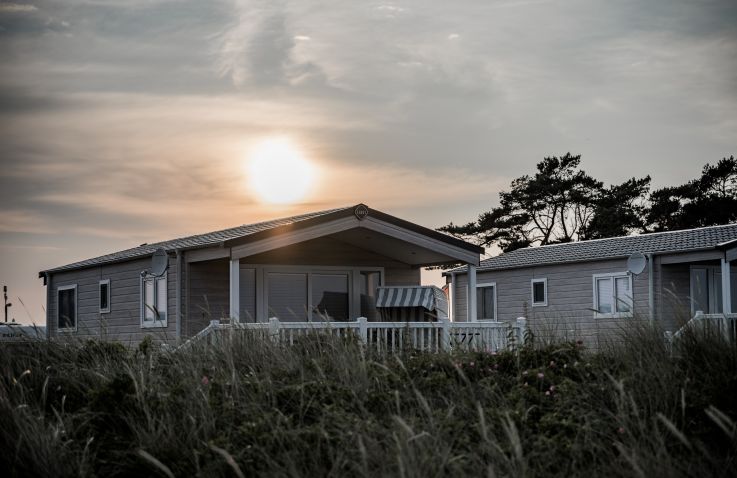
(562, 203)
(327, 408)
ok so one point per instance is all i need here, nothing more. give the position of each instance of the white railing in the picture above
(385, 336)
(722, 324)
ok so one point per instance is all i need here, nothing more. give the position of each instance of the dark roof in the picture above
(259, 230)
(616, 247)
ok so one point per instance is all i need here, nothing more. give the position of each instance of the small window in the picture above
(153, 301)
(486, 302)
(105, 296)
(67, 308)
(613, 295)
(539, 292)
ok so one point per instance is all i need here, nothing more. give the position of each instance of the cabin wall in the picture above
(123, 322)
(208, 297)
(569, 311)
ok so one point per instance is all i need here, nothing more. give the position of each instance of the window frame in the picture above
(544, 281)
(105, 310)
(615, 314)
(76, 308)
(157, 322)
(496, 303)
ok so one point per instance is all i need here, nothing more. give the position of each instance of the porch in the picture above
(333, 270)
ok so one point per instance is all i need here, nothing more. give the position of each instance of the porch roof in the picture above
(670, 242)
(249, 233)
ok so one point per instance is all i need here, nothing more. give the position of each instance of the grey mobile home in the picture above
(584, 289)
(329, 263)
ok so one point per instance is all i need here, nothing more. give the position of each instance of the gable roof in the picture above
(612, 248)
(259, 230)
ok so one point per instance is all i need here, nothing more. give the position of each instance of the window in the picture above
(330, 296)
(153, 301)
(287, 297)
(539, 292)
(370, 281)
(486, 301)
(105, 296)
(67, 307)
(613, 295)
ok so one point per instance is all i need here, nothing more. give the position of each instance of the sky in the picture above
(131, 121)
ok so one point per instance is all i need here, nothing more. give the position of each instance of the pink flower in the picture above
(524, 373)
(470, 364)
(540, 375)
(547, 392)
(205, 380)
(620, 430)
(552, 388)
(552, 364)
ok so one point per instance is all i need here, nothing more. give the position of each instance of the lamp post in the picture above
(7, 304)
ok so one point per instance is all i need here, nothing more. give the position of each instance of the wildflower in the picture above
(547, 392)
(524, 373)
(205, 380)
(552, 364)
(620, 430)
(540, 375)
(470, 364)
(496, 366)
(552, 388)
(525, 384)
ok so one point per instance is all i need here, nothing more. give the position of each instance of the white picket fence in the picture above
(384, 336)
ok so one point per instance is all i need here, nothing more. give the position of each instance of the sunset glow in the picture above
(278, 172)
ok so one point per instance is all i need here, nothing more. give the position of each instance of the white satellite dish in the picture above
(636, 263)
(159, 262)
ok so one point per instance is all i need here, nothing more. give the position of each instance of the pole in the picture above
(7, 304)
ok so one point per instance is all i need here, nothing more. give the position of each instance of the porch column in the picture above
(235, 276)
(726, 287)
(471, 309)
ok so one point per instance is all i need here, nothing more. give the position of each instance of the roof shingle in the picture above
(615, 247)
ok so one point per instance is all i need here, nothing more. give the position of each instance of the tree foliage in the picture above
(707, 201)
(559, 203)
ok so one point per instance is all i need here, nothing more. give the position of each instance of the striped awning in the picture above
(429, 297)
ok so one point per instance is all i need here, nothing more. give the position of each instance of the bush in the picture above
(328, 407)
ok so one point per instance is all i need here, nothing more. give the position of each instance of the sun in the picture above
(278, 172)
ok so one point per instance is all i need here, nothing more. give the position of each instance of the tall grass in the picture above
(325, 407)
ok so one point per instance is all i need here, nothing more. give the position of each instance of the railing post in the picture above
(214, 325)
(274, 329)
(521, 329)
(363, 329)
(445, 334)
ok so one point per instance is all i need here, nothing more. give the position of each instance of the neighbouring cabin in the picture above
(329, 265)
(585, 290)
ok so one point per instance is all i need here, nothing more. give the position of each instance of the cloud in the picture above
(17, 7)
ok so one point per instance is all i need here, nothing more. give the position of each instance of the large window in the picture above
(105, 296)
(613, 295)
(486, 301)
(153, 301)
(539, 292)
(67, 307)
(287, 297)
(330, 296)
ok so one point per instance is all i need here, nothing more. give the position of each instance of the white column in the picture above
(726, 287)
(235, 298)
(471, 306)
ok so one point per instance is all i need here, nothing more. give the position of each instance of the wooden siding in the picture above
(123, 322)
(569, 311)
(209, 294)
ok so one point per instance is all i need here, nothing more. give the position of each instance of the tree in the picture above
(619, 210)
(559, 203)
(707, 201)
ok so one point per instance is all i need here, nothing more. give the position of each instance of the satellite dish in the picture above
(636, 263)
(159, 262)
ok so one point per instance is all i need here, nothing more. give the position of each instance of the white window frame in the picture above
(354, 300)
(99, 293)
(156, 323)
(76, 308)
(544, 281)
(496, 304)
(614, 314)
